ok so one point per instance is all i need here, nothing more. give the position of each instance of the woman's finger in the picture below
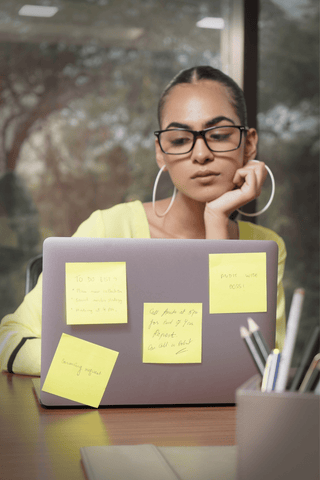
(259, 169)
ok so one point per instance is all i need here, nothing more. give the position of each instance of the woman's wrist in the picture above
(216, 225)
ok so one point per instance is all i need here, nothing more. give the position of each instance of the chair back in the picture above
(34, 268)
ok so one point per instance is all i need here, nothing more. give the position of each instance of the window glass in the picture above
(288, 125)
(79, 93)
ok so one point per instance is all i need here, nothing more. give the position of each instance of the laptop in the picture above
(161, 281)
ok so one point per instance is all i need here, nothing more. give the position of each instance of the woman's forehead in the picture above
(198, 101)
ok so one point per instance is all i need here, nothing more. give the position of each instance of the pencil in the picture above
(310, 351)
(317, 389)
(290, 339)
(252, 349)
(312, 376)
(266, 373)
(255, 331)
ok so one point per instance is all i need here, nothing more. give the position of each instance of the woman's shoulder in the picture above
(126, 209)
(251, 231)
(121, 220)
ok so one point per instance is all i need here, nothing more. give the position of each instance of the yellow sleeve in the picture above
(250, 231)
(20, 344)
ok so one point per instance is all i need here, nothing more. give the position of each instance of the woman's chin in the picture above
(209, 197)
(206, 194)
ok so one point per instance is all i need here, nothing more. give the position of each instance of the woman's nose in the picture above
(201, 153)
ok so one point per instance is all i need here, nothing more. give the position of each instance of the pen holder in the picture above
(277, 434)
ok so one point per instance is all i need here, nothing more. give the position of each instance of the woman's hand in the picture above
(248, 182)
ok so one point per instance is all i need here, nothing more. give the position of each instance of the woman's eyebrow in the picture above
(178, 125)
(215, 120)
(210, 123)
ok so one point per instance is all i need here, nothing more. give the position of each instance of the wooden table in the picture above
(39, 443)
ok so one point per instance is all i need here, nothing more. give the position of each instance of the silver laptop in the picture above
(161, 273)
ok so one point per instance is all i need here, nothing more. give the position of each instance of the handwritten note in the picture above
(172, 333)
(96, 292)
(238, 282)
(80, 370)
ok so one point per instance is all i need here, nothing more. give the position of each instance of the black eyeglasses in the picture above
(177, 141)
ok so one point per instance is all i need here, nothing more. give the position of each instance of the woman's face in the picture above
(201, 174)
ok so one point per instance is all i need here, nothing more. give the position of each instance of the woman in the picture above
(204, 144)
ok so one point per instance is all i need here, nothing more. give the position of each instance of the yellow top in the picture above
(20, 332)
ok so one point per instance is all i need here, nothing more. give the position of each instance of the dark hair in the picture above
(195, 74)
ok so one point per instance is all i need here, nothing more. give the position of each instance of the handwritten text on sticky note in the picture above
(96, 292)
(172, 333)
(238, 282)
(80, 370)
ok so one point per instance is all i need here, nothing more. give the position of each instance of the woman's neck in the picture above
(184, 220)
(187, 218)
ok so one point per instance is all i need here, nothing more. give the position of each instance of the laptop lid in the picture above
(161, 281)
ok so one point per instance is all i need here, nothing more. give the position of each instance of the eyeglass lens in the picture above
(219, 139)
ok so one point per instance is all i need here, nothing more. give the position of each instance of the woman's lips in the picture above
(205, 174)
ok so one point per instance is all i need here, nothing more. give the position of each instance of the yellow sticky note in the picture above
(238, 282)
(172, 333)
(80, 370)
(96, 293)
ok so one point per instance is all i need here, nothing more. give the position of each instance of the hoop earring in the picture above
(273, 188)
(154, 195)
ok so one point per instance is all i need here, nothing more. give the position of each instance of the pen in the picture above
(271, 371)
(252, 349)
(254, 329)
(290, 339)
(274, 370)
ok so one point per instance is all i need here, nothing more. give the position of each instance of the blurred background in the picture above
(79, 85)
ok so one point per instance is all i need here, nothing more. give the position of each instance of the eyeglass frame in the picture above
(200, 133)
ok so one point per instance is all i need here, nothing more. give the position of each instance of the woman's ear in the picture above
(159, 155)
(250, 148)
